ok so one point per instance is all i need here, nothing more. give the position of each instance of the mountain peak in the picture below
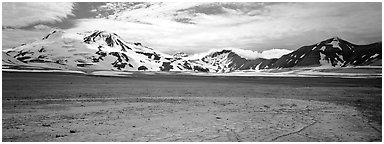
(105, 50)
(100, 34)
(336, 42)
(224, 51)
(54, 33)
(108, 38)
(336, 38)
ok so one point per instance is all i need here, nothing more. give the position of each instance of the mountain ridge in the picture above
(102, 50)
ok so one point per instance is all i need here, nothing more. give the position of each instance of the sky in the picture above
(254, 29)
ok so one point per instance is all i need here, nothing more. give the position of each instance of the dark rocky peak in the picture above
(220, 53)
(337, 42)
(111, 39)
(55, 33)
(102, 35)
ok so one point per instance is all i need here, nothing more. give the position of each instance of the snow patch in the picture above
(111, 73)
(374, 56)
(323, 48)
(335, 43)
(324, 61)
(257, 68)
(302, 56)
(340, 63)
(340, 57)
(350, 48)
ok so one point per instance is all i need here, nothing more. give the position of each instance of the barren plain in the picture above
(77, 107)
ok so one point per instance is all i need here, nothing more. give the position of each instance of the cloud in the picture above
(21, 14)
(143, 12)
(267, 54)
(275, 53)
(16, 37)
(198, 27)
(42, 27)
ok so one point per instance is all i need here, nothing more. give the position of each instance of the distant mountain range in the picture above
(101, 50)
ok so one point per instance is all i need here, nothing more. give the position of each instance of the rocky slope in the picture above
(334, 52)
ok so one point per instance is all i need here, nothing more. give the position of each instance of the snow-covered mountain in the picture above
(90, 51)
(98, 50)
(228, 61)
(334, 52)
(102, 50)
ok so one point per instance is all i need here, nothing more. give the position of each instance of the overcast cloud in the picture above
(199, 27)
(21, 14)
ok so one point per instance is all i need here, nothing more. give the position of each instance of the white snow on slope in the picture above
(324, 61)
(247, 54)
(323, 48)
(374, 56)
(335, 44)
(70, 49)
